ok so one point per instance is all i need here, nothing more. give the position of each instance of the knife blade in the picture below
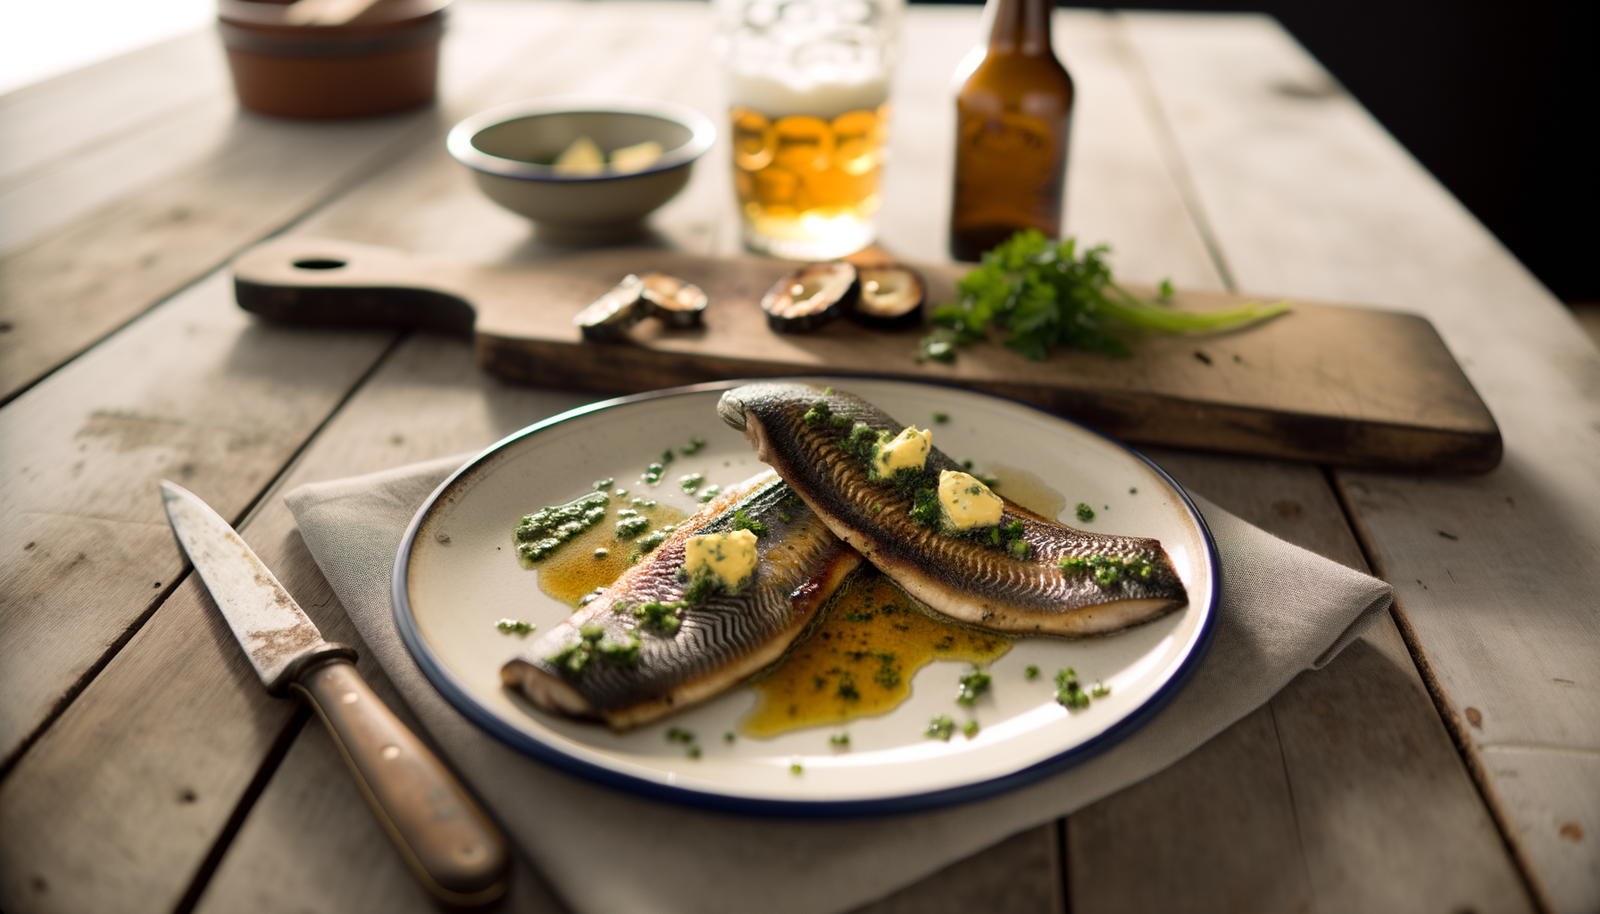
(454, 850)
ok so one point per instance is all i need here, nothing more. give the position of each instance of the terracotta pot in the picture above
(385, 60)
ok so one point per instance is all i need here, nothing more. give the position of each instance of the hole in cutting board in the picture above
(320, 263)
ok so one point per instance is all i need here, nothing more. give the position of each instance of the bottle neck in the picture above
(1021, 27)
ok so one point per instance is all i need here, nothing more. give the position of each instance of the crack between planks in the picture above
(1453, 723)
(241, 810)
(1294, 808)
(1063, 887)
(110, 653)
(1167, 142)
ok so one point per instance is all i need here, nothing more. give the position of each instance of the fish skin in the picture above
(954, 575)
(720, 642)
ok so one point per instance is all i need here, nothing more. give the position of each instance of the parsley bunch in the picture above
(1046, 295)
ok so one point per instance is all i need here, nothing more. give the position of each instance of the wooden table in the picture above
(1449, 761)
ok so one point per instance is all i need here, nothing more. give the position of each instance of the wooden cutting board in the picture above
(1324, 383)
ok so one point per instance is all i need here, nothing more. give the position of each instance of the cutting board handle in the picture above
(331, 283)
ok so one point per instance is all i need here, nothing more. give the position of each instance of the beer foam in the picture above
(782, 94)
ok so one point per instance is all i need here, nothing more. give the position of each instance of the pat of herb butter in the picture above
(967, 503)
(905, 451)
(729, 558)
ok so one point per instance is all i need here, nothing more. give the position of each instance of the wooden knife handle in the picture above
(451, 846)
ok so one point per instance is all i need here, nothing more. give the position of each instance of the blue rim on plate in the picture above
(461, 696)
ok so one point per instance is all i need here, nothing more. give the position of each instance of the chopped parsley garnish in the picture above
(1068, 692)
(820, 411)
(839, 739)
(675, 735)
(666, 456)
(652, 474)
(1083, 512)
(539, 534)
(970, 729)
(973, 685)
(1133, 491)
(862, 440)
(925, 509)
(741, 521)
(630, 524)
(660, 616)
(653, 540)
(690, 483)
(785, 518)
(514, 626)
(941, 727)
(1100, 690)
(1046, 295)
(593, 642)
(1109, 569)
(693, 752)
(847, 689)
(695, 446)
(603, 483)
(710, 493)
(728, 737)
(794, 768)
(941, 418)
(1031, 673)
(699, 589)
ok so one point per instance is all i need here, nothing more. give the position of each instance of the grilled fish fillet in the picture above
(1115, 582)
(715, 644)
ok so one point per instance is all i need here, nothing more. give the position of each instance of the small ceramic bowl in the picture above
(384, 60)
(510, 147)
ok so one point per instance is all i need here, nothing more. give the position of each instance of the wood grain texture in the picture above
(1375, 388)
(1386, 811)
(195, 391)
(1496, 575)
(1383, 812)
(1020, 875)
(257, 174)
(95, 793)
(96, 808)
(1222, 818)
(311, 844)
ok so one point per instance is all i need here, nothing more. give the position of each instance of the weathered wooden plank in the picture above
(1020, 875)
(1215, 832)
(46, 124)
(96, 808)
(81, 282)
(1385, 811)
(195, 391)
(1496, 575)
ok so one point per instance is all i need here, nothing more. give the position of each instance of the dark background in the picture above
(1499, 100)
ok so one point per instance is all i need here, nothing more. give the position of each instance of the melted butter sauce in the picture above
(860, 659)
(573, 570)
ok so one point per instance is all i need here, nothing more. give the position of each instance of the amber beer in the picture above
(1012, 118)
(808, 185)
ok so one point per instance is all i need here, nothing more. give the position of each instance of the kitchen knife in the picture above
(446, 840)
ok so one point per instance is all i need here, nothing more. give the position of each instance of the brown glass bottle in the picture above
(1012, 120)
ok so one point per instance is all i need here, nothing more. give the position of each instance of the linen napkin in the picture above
(1283, 610)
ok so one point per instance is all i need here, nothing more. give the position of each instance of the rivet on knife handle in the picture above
(448, 842)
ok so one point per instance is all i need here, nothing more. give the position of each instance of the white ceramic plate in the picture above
(456, 575)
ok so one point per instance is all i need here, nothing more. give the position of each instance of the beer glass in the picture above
(808, 83)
